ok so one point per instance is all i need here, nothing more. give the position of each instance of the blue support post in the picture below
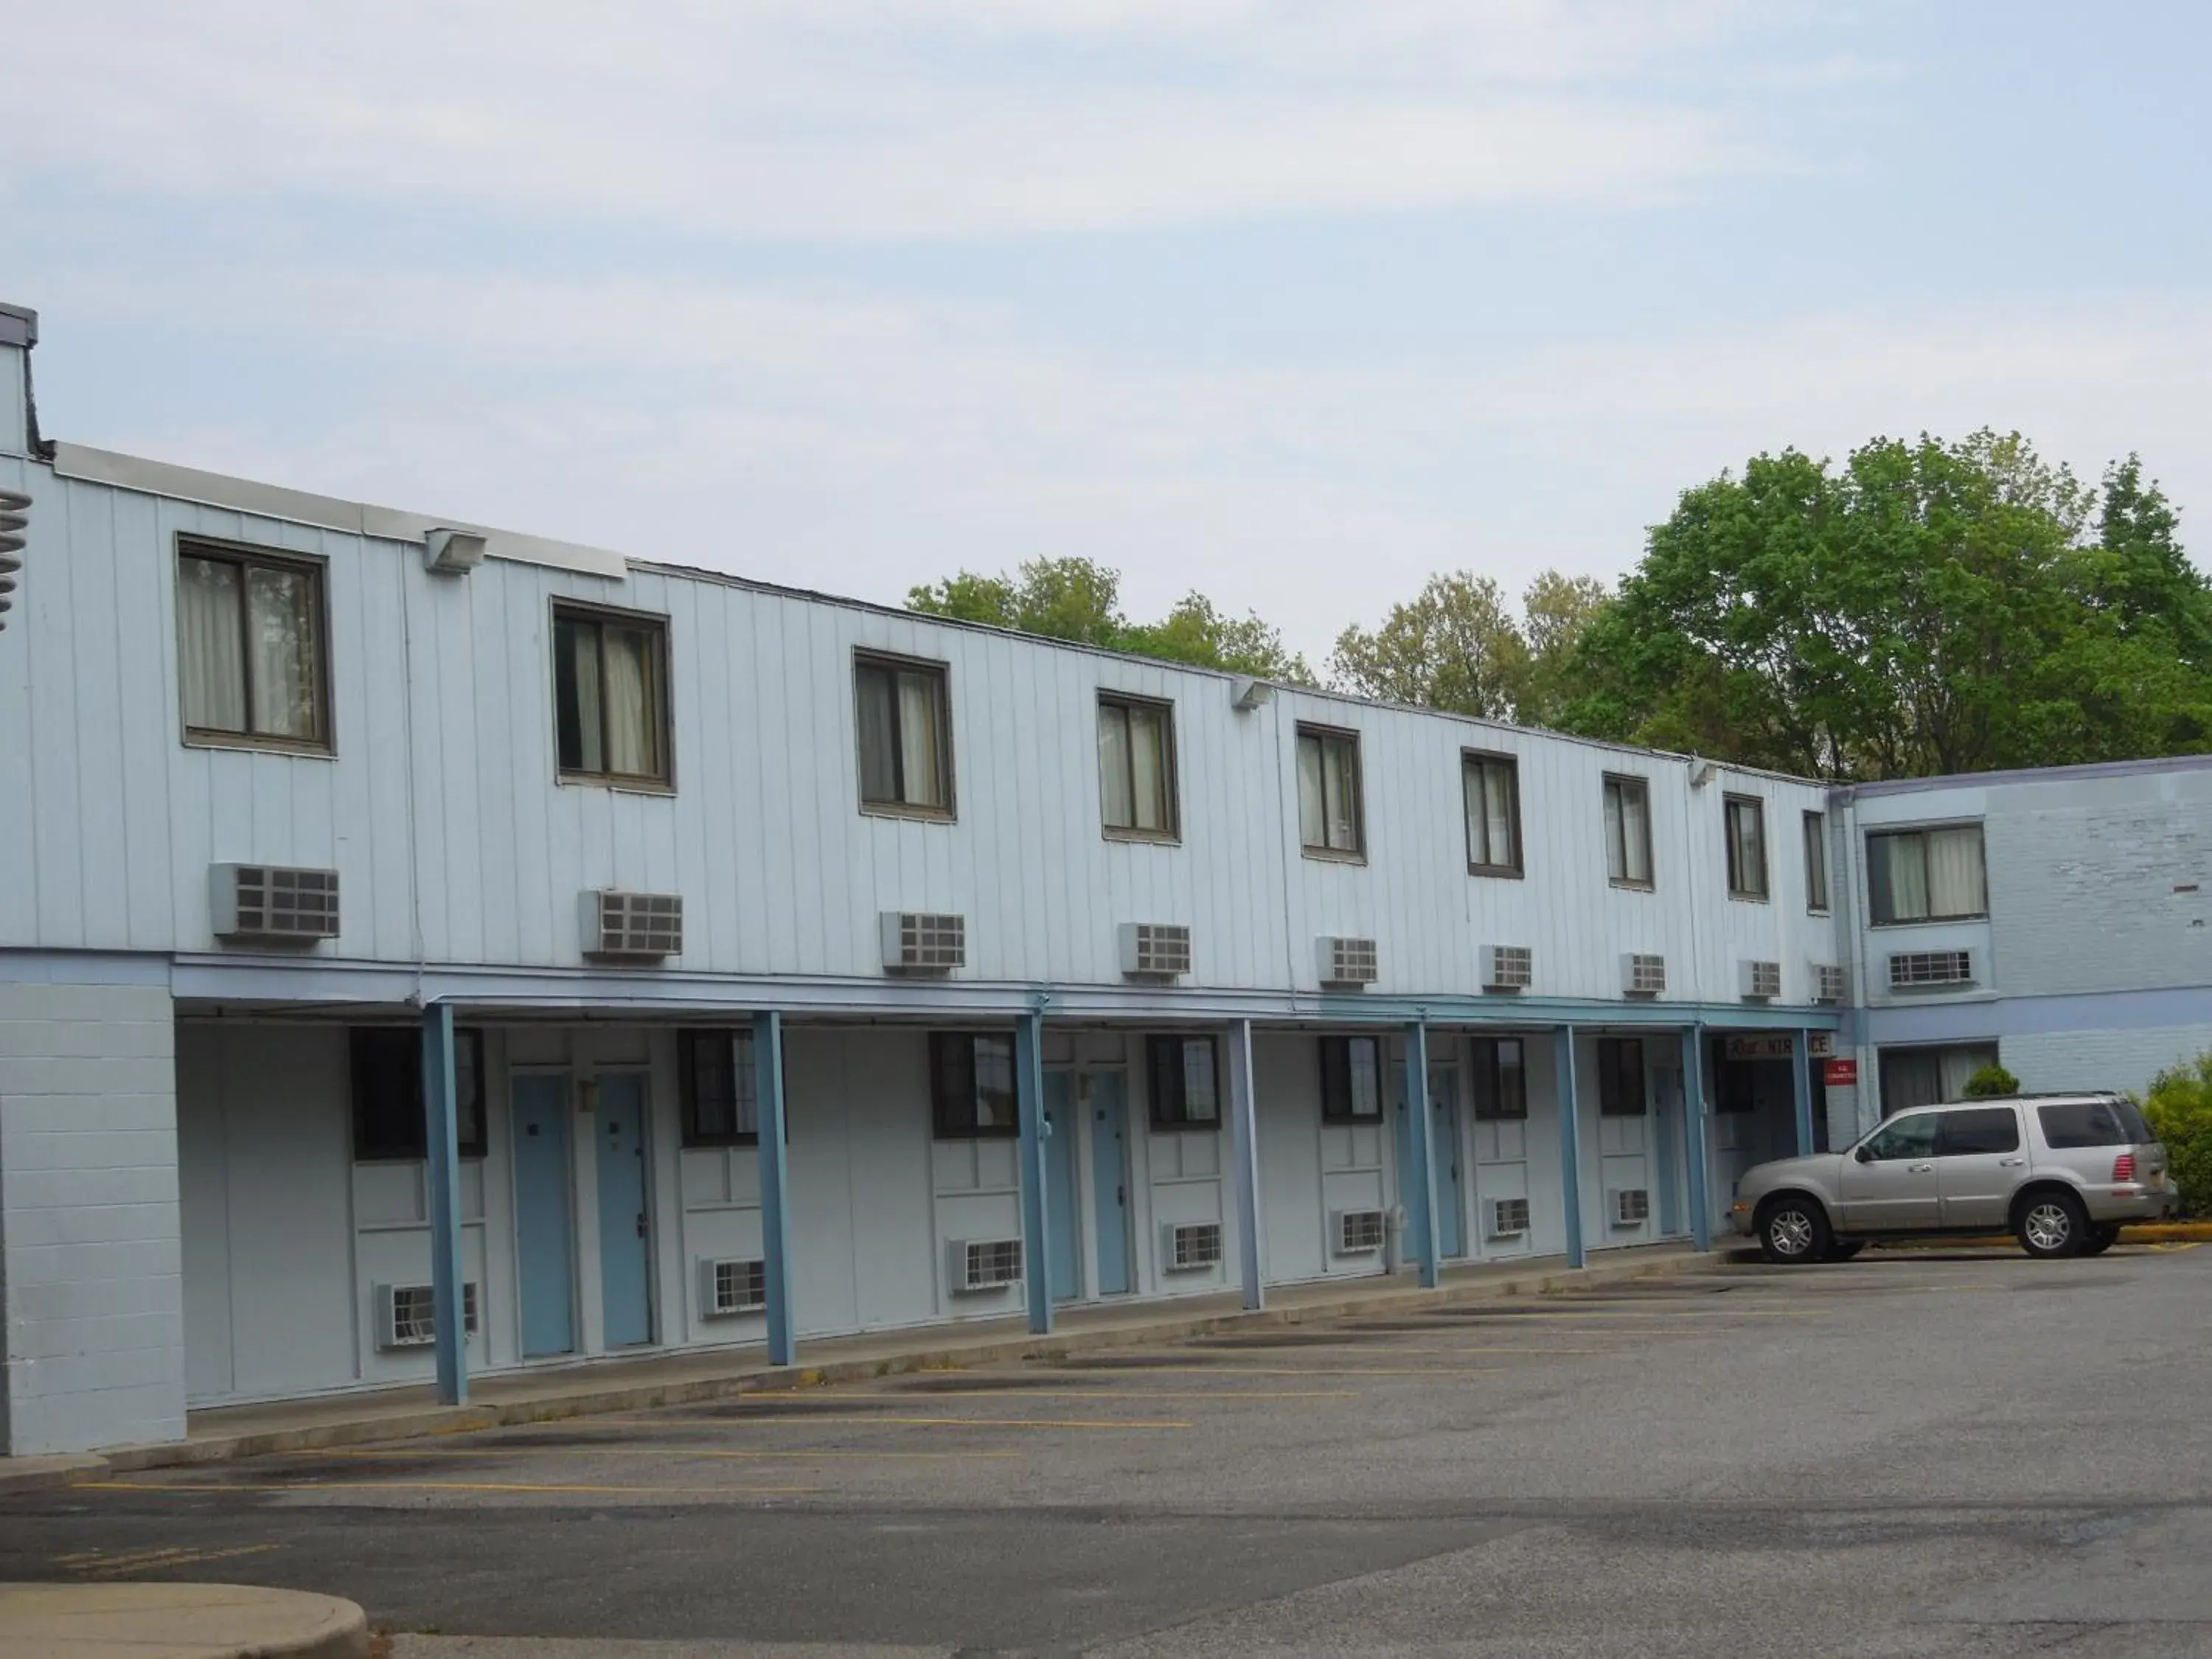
(1029, 1099)
(1801, 1068)
(1419, 1182)
(1244, 1155)
(442, 1137)
(1693, 1131)
(1571, 1143)
(774, 1186)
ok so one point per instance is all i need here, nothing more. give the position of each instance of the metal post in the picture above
(1244, 1155)
(1801, 1068)
(1029, 1097)
(1419, 1183)
(442, 1137)
(1571, 1143)
(774, 1186)
(1693, 1127)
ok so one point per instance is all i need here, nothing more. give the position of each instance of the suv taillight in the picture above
(2124, 1167)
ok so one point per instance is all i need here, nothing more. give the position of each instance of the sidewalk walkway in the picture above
(176, 1621)
(543, 1393)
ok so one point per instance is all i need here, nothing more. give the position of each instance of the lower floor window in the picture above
(1925, 1076)
(389, 1119)
(716, 1084)
(971, 1084)
(1184, 1079)
(1351, 1079)
(1621, 1076)
(1501, 1079)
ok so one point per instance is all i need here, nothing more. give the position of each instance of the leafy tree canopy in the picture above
(1457, 645)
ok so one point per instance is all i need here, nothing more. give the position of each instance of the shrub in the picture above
(1992, 1082)
(2179, 1108)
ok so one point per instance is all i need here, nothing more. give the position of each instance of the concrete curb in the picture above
(35, 1473)
(178, 1621)
(585, 1400)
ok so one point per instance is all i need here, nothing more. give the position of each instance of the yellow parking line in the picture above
(206, 1489)
(1159, 1394)
(807, 1419)
(753, 1454)
(115, 1566)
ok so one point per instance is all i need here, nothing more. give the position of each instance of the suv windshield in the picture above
(2076, 1123)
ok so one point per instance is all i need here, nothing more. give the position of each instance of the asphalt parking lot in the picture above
(1928, 1453)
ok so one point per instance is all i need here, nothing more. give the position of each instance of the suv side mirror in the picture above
(1863, 1154)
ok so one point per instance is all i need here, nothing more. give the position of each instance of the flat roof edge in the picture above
(2119, 769)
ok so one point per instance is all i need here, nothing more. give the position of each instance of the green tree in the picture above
(1560, 610)
(2179, 1107)
(1457, 645)
(1992, 1082)
(1195, 632)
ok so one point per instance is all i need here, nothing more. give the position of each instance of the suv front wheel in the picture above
(1794, 1228)
(2053, 1224)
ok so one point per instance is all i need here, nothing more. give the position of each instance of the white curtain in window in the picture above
(1910, 1077)
(1635, 835)
(210, 650)
(878, 745)
(1338, 787)
(1200, 1105)
(1366, 1067)
(1147, 764)
(1616, 843)
(584, 643)
(630, 730)
(1746, 821)
(1119, 811)
(1954, 872)
(1907, 857)
(1490, 813)
(920, 758)
(1959, 1064)
(281, 619)
(1313, 821)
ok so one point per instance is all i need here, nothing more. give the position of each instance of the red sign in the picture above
(1840, 1073)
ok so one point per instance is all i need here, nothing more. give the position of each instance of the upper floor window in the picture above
(251, 636)
(971, 1084)
(611, 695)
(1351, 1079)
(1492, 787)
(1816, 862)
(1185, 1082)
(905, 736)
(1746, 817)
(1501, 1079)
(1926, 875)
(1621, 1076)
(717, 1086)
(1330, 819)
(389, 1120)
(1627, 831)
(1136, 767)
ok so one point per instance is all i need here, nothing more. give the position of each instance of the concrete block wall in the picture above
(2101, 1059)
(91, 1287)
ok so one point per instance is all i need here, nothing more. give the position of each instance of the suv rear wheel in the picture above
(2052, 1223)
(1794, 1228)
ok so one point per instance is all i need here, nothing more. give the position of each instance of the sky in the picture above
(1290, 303)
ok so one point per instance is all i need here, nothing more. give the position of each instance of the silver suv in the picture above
(2062, 1173)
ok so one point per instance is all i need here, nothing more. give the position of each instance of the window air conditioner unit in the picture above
(1827, 982)
(732, 1286)
(1508, 967)
(407, 1314)
(1358, 1232)
(633, 927)
(272, 905)
(1630, 1206)
(1348, 960)
(916, 942)
(1509, 1218)
(1642, 974)
(986, 1264)
(1187, 1246)
(1155, 950)
(1761, 981)
(1911, 970)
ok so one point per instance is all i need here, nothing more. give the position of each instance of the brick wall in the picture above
(2101, 1059)
(90, 1263)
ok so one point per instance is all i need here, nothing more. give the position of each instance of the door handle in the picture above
(2011, 1163)
(1920, 1168)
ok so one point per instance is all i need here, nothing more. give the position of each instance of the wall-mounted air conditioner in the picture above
(920, 942)
(1913, 970)
(1643, 974)
(1347, 961)
(731, 1285)
(1628, 1206)
(1187, 1246)
(1760, 982)
(1155, 950)
(625, 927)
(407, 1314)
(1828, 982)
(1508, 967)
(1358, 1232)
(1509, 1218)
(271, 904)
(985, 1264)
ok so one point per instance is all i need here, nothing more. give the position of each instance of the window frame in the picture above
(687, 1084)
(1922, 831)
(1731, 806)
(661, 682)
(1618, 781)
(1469, 761)
(1611, 1052)
(1818, 901)
(1346, 1116)
(1325, 735)
(417, 1151)
(1179, 1121)
(1491, 1105)
(865, 658)
(1171, 834)
(245, 556)
(942, 1124)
